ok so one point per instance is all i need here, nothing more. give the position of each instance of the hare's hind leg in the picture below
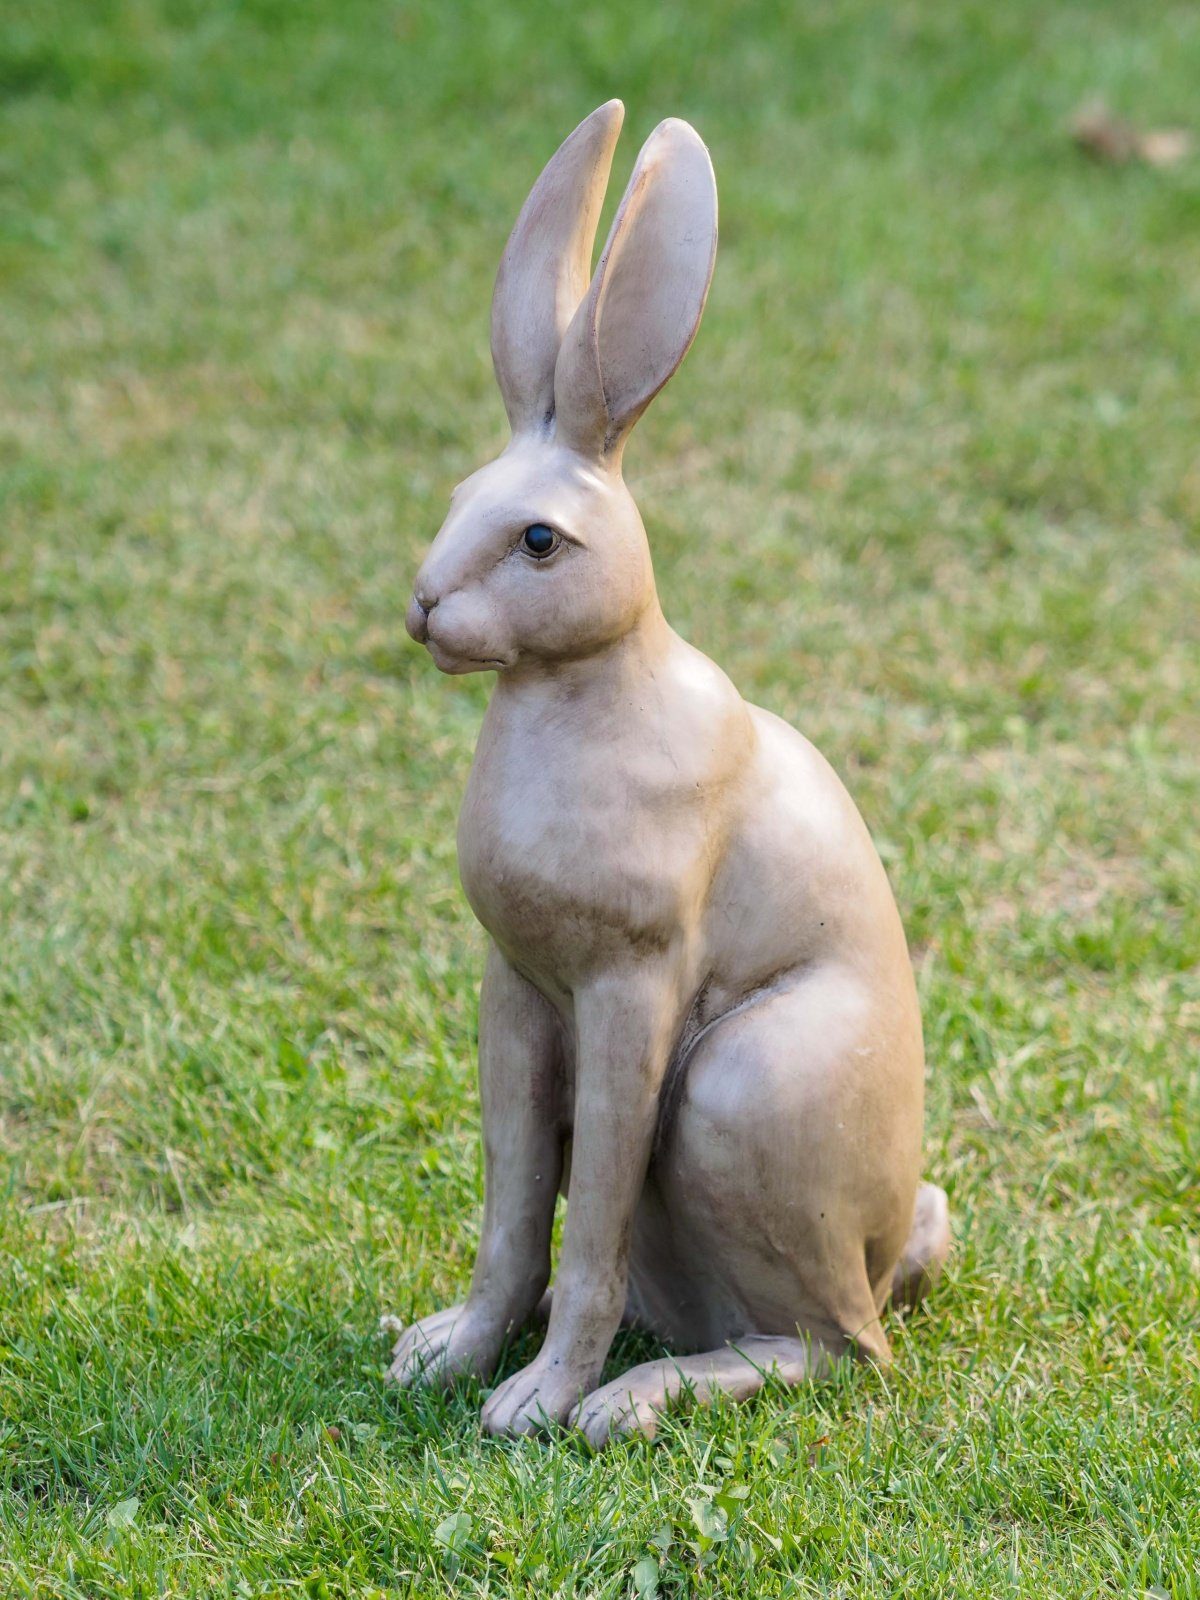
(634, 1402)
(790, 1172)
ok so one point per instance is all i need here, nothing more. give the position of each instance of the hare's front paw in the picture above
(629, 1405)
(540, 1394)
(440, 1347)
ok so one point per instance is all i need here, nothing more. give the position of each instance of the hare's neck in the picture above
(610, 675)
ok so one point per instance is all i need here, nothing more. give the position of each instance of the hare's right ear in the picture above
(545, 269)
(646, 299)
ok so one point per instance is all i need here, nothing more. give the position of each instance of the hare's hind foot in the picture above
(924, 1255)
(633, 1403)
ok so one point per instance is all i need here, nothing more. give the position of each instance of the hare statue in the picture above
(697, 1009)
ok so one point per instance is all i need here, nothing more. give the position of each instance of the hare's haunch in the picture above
(698, 1009)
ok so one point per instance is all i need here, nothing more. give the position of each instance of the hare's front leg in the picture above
(520, 1070)
(624, 1026)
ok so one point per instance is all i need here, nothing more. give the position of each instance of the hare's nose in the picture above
(417, 617)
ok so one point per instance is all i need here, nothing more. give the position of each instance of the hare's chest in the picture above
(567, 864)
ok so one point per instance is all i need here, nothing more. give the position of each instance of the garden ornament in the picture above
(698, 1017)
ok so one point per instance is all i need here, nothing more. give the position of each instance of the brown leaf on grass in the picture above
(1107, 137)
(1164, 147)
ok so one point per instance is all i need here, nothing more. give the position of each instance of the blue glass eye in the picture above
(539, 539)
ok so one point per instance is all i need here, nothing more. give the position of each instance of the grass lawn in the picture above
(928, 486)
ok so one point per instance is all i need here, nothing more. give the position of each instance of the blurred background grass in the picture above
(928, 486)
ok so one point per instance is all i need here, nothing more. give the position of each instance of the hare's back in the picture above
(801, 881)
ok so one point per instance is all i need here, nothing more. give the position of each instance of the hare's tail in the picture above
(921, 1261)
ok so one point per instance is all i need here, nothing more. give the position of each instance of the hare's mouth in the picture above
(450, 661)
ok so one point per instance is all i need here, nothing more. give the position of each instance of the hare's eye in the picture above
(540, 540)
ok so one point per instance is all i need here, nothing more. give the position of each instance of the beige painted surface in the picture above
(698, 1004)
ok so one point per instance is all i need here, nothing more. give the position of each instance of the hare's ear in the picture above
(647, 296)
(544, 271)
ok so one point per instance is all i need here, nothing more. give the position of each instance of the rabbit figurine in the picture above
(697, 1009)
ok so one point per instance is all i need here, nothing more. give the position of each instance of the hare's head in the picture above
(543, 556)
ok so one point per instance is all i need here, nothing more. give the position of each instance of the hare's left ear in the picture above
(645, 302)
